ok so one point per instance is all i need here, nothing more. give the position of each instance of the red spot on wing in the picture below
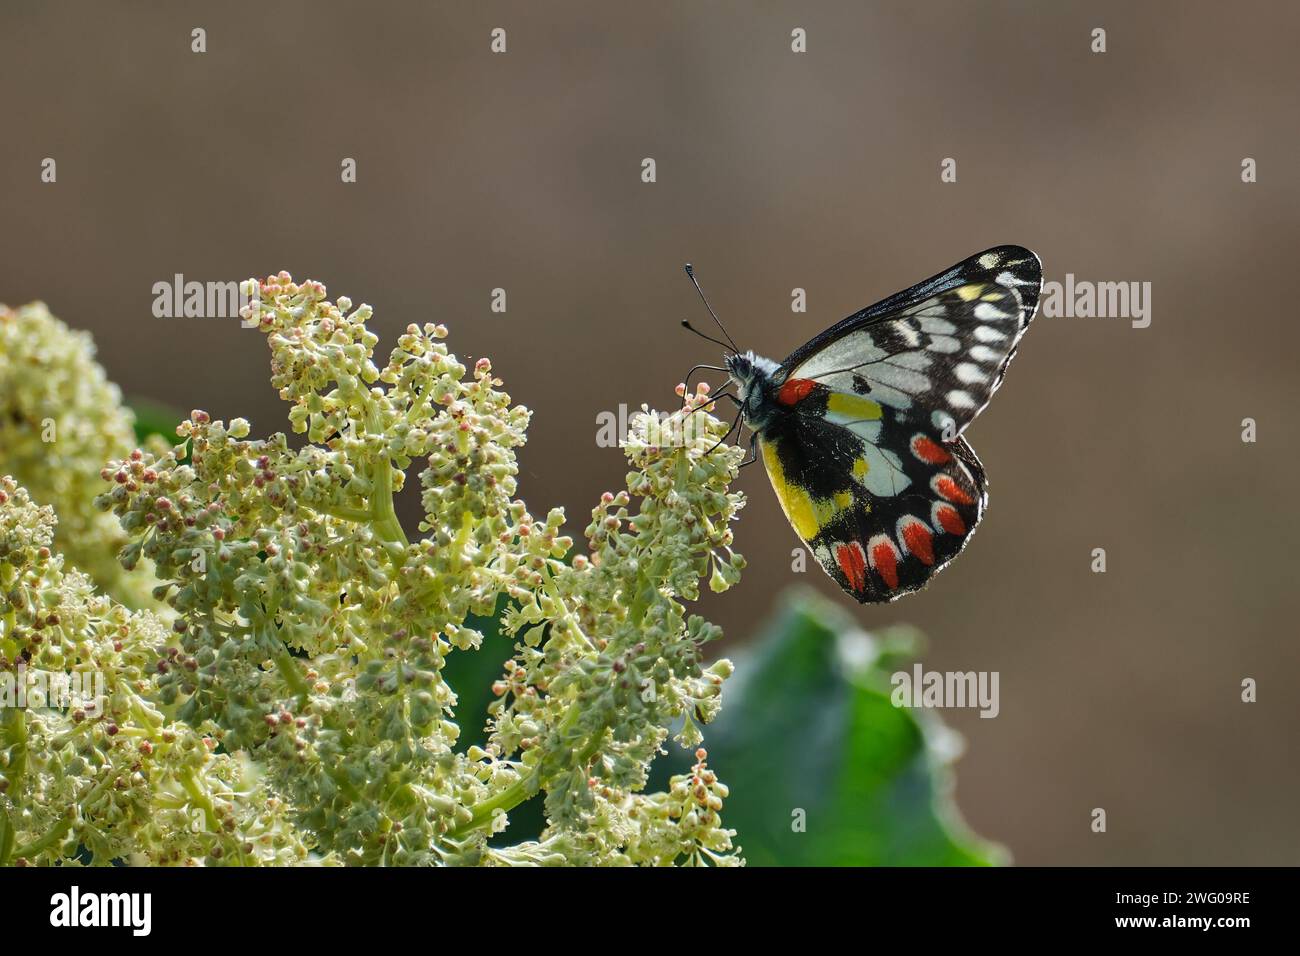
(929, 451)
(919, 541)
(885, 562)
(949, 520)
(853, 563)
(950, 490)
(795, 390)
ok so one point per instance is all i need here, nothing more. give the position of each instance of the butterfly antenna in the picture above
(708, 338)
(690, 274)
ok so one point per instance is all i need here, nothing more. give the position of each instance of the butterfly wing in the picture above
(869, 466)
(937, 351)
(881, 505)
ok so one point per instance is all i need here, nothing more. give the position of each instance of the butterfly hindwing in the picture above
(881, 504)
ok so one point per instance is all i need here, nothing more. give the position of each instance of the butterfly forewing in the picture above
(942, 351)
(870, 466)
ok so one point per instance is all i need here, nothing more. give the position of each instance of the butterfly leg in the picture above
(734, 426)
(753, 451)
(707, 402)
(687, 382)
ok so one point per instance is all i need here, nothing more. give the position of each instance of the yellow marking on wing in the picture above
(843, 500)
(968, 293)
(852, 406)
(797, 504)
(992, 297)
(825, 509)
(860, 468)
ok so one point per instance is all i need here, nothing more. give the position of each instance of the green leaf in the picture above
(807, 725)
(471, 675)
(154, 418)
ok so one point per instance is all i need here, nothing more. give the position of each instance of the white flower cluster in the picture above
(292, 706)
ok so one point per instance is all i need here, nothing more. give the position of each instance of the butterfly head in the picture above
(755, 380)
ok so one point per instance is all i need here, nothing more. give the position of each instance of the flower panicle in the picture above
(291, 690)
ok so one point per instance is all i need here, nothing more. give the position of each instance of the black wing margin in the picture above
(1013, 266)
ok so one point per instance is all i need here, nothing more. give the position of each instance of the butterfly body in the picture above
(860, 430)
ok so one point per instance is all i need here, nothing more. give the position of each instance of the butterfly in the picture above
(860, 429)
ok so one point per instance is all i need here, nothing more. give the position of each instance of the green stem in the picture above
(483, 811)
(8, 575)
(527, 786)
(381, 497)
(548, 582)
(55, 834)
(292, 676)
(6, 837)
(17, 738)
(191, 786)
(347, 514)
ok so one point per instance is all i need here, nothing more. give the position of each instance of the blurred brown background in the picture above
(775, 170)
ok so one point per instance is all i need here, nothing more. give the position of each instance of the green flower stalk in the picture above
(310, 631)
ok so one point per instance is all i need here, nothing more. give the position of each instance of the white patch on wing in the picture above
(868, 429)
(919, 361)
(884, 394)
(935, 326)
(942, 420)
(889, 375)
(856, 348)
(988, 312)
(885, 476)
